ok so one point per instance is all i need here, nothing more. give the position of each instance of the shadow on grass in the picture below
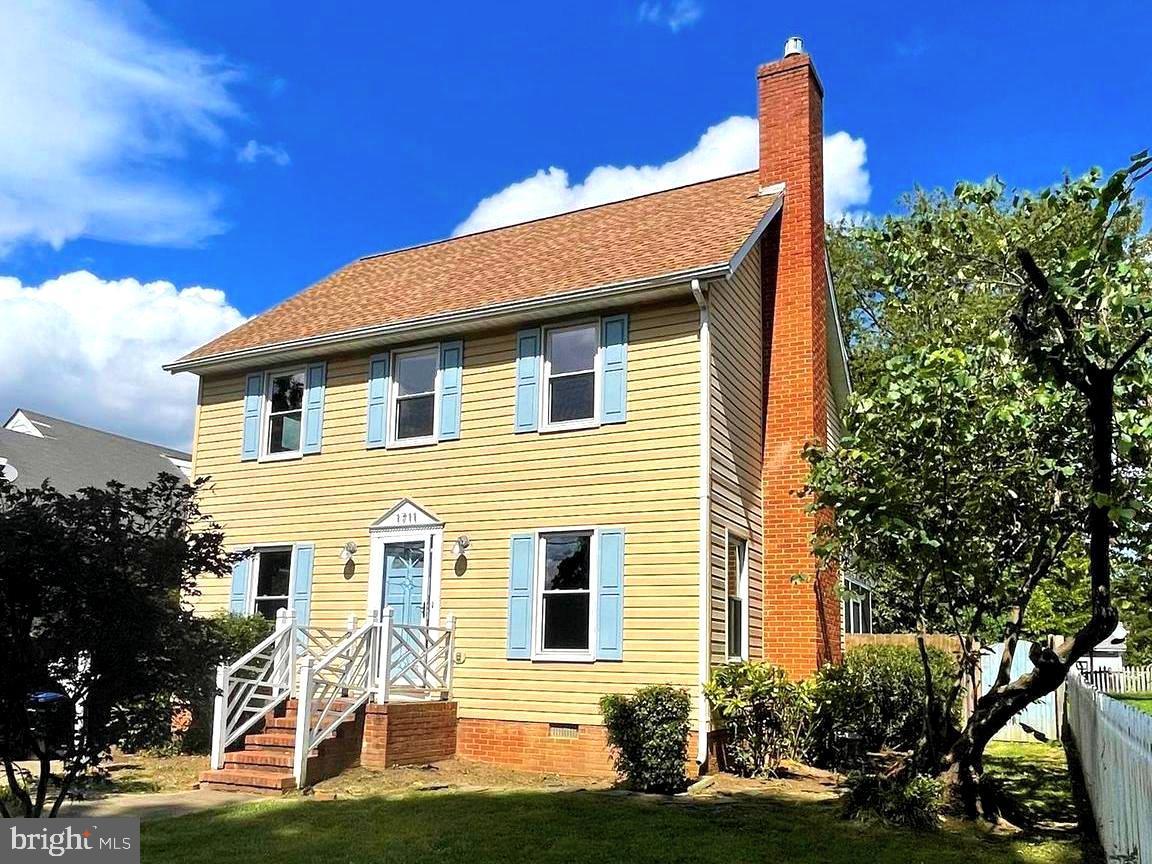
(567, 828)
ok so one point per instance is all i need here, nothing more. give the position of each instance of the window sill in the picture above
(570, 426)
(401, 443)
(281, 457)
(559, 657)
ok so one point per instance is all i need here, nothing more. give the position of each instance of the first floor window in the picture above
(414, 405)
(570, 356)
(273, 578)
(737, 577)
(285, 407)
(857, 607)
(565, 580)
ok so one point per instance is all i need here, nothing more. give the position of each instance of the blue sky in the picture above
(253, 147)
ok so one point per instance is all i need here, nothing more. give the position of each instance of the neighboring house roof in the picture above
(35, 447)
(691, 231)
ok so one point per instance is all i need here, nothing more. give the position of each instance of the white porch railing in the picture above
(252, 686)
(332, 673)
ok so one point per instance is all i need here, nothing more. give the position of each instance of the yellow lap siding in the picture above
(641, 475)
(737, 446)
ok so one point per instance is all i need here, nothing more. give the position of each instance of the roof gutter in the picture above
(413, 328)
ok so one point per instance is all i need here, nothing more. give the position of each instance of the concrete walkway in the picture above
(155, 805)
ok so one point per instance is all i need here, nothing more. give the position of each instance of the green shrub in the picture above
(900, 798)
(181, 722)
(649, 735)
(874, 701)
(765, 716)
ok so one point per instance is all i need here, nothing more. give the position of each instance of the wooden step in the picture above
(267, 781)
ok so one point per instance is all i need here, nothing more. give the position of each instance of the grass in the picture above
(1140, 701)
(569, 826)
(1035, 777)
(141, 772)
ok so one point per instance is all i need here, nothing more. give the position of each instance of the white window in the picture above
(565, 576)
(271, 588)
(737, 581)
(415, 384)
(571, 376)
(857, 607)
(283, 413)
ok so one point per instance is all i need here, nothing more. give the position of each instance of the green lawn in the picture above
(1143, 701)
(567, 828)
(1035, 776)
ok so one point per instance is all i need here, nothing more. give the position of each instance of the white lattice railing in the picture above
(332, 673)
(421, 659)
(251, 687)
(334, 688)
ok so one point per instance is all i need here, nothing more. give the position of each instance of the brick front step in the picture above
(266, 757)
(266, 781)
(277, 740)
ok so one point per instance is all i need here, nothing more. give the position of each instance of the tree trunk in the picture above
(965, 759)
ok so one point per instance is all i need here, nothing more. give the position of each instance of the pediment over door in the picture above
(407, 514)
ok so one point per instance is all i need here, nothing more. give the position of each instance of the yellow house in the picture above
(536, 464)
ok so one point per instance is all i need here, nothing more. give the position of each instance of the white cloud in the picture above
(98, 110)
(728, 147)
(254, 151)
(90, 350)
(675, 15)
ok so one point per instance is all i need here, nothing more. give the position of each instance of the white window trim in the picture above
(862, 587)
(254, 573)
(266, 416)
(394, 396)
(593, 422)
(742, 590)
(538, 651)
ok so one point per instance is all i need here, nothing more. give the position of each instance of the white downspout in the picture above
(705, 493)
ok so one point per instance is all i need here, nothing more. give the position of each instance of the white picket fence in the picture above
(1131, 679)
(1114, 741)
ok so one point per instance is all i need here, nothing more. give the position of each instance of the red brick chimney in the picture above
(801, 618)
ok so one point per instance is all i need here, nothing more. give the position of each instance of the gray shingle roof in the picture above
(72, 456)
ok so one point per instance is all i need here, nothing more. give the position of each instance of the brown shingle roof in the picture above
(653, 235)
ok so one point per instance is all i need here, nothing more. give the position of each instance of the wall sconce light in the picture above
(461, 546)
(348, 552)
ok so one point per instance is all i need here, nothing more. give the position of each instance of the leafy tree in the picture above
(1005, 375)
(91, 608)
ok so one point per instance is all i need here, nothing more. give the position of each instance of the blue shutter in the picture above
(614, 385)
(303, 555)
(238, 596)
(520, 597)
(451, 360)
(378, 401)
(527, 380)
(314, 407)
(610, 596)
(253, 402)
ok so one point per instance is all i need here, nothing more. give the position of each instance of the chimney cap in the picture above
(794, 45)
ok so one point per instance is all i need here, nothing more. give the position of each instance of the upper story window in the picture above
(285, 413)
(572, 376)
(571, 360)
(414, 396)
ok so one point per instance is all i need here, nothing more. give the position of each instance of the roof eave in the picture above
(487, 316)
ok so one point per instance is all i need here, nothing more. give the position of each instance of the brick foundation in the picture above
(408, 733)
(535, 747)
